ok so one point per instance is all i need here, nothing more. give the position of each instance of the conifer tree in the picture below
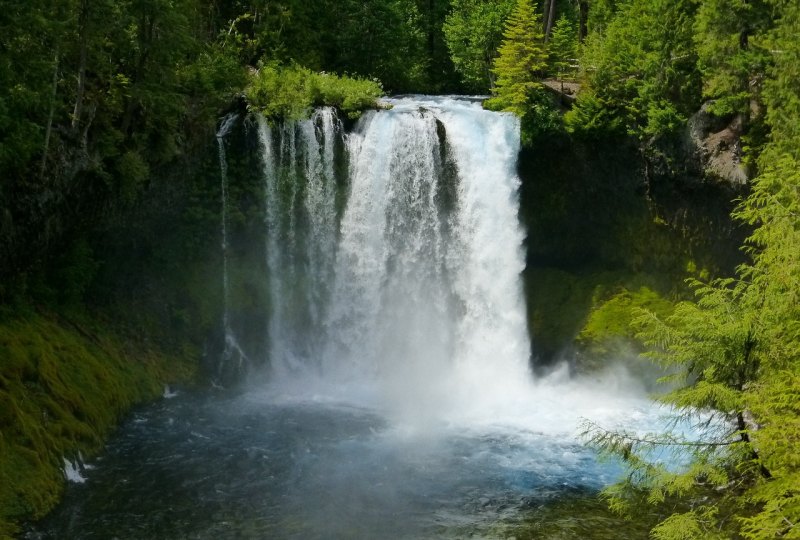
(641, 71)
(473, 31)
(563, 47)
(522, 56)
(731, 52)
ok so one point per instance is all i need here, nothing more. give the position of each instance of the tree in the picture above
(563, 47)
(731, 52)
(737, 350)
(599, 14)
(782, 85)
(473, 33)
(735, 353)
(549, 15)
(521, 59)
(29, 37)
(642, 68)
(441, 75)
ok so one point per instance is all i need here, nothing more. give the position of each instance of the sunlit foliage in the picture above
(292, 92)
(473, 31)
(521, 60)
(736, 352)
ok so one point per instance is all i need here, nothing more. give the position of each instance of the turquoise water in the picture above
(256, 465)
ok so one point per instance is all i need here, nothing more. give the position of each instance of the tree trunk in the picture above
(742, 425)
(744, 35)
(145, 39)
(487, 61)
(545, 15)
(83, 21)
(583, 17)
(551, 17)
(743, 376)
(49, 129)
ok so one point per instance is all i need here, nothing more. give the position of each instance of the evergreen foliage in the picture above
(473, 31)
(398, 42)
(640, 70)
(737, 347)
(563, 48)
(731, 52)
(383, 39)
(601, 13)
(520, 61)
(611, 319)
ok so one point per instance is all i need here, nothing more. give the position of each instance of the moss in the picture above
(64, 385)
(558, 302)
(585, 314)
(561, 302)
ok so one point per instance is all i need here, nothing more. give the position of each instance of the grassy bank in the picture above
(64, 384)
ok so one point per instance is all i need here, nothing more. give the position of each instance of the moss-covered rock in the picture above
(64, 384)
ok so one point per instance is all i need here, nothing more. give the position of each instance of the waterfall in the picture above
(397, 400)
(412, 288)
(300, 210)
(232, 349)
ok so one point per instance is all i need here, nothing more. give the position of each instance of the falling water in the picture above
(320, 205)
(413, 291)
(232, 348)
(300, 229)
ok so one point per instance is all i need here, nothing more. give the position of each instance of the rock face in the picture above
(607, 221)
(717, 145)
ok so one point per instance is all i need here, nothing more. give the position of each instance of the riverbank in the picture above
(66, 382)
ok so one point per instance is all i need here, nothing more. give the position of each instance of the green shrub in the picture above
(291, 92)
(590, 117)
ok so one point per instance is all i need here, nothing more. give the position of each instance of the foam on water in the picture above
(72, 471)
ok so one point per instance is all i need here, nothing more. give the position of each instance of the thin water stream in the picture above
(232, 352)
